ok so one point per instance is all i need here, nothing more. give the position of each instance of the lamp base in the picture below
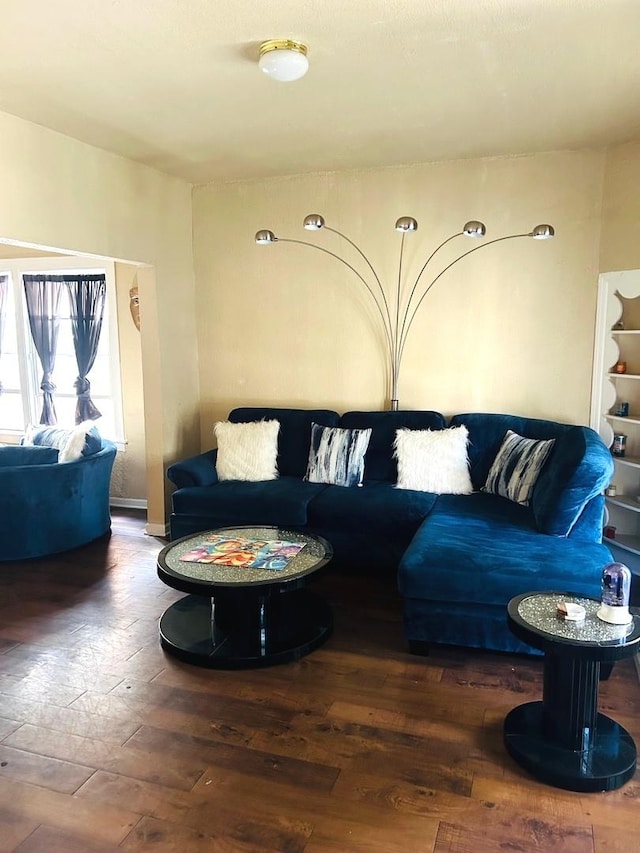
(614, 615)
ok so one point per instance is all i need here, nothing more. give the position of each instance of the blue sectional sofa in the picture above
(49, 506)
(458, 558)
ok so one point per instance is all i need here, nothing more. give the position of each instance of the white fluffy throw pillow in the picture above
(247, 451)
(75, 445)
(433, 460)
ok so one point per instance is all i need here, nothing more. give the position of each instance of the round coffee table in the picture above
(563, 740)
(239, 617)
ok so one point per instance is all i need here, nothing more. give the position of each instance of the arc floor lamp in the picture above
(397, 317)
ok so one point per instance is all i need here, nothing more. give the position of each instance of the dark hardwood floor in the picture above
(107, 744)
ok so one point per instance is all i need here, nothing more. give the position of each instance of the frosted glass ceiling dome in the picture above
(283, 60)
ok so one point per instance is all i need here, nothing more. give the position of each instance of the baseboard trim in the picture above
(150, 529)
(128, 503)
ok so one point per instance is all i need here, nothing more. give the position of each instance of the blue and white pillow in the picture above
(517, 466)
(82, 440)
(336, 456)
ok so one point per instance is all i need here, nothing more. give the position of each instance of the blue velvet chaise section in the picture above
(459, 558)
(472, 556)
(47, 507)
(473, 553)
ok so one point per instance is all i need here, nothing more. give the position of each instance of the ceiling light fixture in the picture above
(283, 60)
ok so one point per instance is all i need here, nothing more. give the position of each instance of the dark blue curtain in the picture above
(42, 294)
(4, 286)
(87, 294)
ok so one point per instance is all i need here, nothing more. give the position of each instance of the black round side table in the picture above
(563, 740)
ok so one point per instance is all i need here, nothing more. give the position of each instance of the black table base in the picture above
(241, 628)
(607, 761)
(563, 740)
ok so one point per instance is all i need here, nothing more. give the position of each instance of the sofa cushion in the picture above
(18, 454)
(379, 508)
(294, 437)
(379, 460)
(483, 549)
(282, 502)
(433, 460)
(336, 456)
(517, 466)
(247, 451)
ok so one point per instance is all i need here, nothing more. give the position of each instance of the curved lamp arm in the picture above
(368, 263)
(397, 329)
(275, 239)
(400, 336)
(440, 274)
(396, 348)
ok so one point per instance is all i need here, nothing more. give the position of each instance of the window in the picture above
(20, 367)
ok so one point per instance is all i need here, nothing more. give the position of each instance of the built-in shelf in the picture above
(626, 501)
(630, 419)
(632, 461)
(619, 302)
(625, 542)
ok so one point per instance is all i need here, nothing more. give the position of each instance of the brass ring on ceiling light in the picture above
(283, 44)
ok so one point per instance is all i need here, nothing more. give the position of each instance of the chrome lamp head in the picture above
(313, 222)
(543, 232)
(406, 223)
(265, 236)
(473, 228)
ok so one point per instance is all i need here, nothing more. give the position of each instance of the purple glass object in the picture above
(616, 585)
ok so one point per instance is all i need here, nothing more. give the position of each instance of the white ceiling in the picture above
(175, 83)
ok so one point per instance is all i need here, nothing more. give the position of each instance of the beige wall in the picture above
(509, 329)
(61, 193)
(620, 246)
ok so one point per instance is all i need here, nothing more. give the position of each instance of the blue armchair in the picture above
(47, 507)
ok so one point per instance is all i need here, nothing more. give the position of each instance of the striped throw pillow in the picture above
(336, 456)
(517, 466)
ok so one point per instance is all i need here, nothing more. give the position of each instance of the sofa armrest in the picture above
(579, 469)
(197, 470)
